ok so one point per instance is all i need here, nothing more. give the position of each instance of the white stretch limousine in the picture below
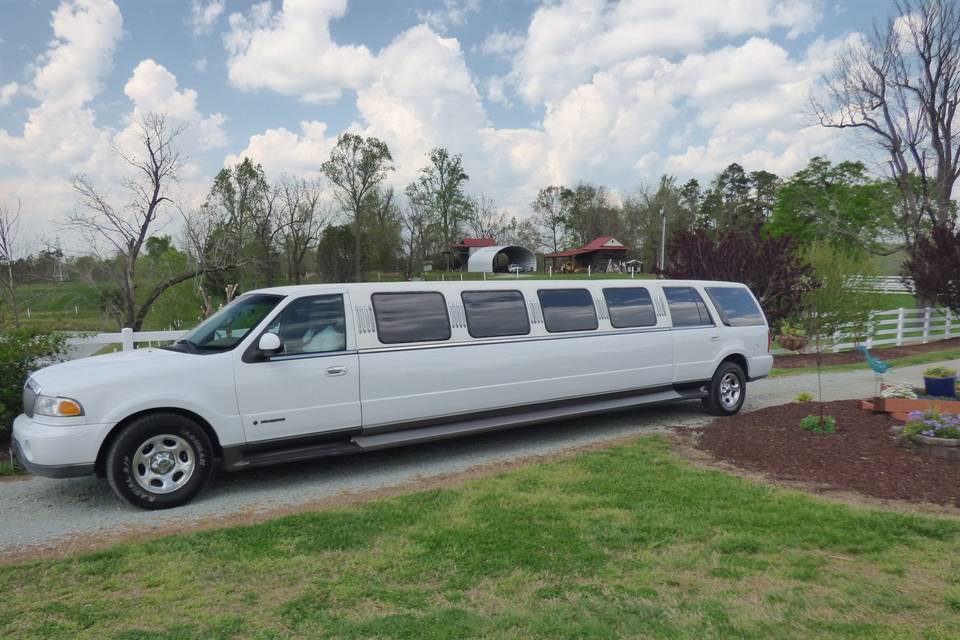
(293, 373)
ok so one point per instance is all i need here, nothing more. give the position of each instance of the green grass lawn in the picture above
(75, 306)
(906, 361)
(624, 542)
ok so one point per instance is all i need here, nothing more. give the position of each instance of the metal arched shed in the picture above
(484, 259)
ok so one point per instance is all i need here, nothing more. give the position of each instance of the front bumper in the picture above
(57, 451)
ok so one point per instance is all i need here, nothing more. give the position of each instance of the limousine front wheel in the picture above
(159, 461)
(728, 390)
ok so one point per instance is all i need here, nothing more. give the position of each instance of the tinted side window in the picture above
(411, 317)
(567, 310)
(630, 307)
(736, 306)
(495, 313)
(312, 325)
(686, 307)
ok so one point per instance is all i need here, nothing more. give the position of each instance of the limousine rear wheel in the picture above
(159, 461)
(728, 390)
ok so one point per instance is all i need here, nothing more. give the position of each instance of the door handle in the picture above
(336, 371)
(714, 338)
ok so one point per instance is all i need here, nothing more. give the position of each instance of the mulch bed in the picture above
(850, 357)
(862, 456)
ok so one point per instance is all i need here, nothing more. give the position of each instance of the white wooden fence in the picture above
(883, 284)
(127, 337)
(894, 327)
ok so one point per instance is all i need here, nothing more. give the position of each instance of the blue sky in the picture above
(531, 93)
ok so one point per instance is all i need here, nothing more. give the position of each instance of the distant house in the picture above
(467, 247)
(605, 253)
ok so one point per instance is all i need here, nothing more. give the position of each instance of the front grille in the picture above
(29, 397)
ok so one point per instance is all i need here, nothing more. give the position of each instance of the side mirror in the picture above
(270, 344)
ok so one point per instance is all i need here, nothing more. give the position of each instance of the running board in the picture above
(481, 425)
(235, 460)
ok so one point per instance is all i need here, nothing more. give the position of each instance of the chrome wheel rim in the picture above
(163, 464)
(730, 390)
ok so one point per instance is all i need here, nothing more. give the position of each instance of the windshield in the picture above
(226, 328)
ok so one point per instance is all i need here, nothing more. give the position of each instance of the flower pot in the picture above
(940, 387)
(940, 442)
(793, 343)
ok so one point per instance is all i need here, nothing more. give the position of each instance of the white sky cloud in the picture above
(282, 151)
(568, 41)
(623, 101)
(7, 92)
(153, 89)
(203, 16)
(61, 136)
(618, 92)
(452, 13)
(290, 51)
(502, 43)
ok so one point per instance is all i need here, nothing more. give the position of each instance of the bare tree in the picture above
(485, 221)
(356, 166)
(9, 231)
(209, 241)
(154, 162)
(303, 217)
(267, 224)
(901, 85)
(416, 223)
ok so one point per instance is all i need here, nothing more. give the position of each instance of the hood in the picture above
(66, 378)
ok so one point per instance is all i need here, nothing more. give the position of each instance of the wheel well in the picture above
(738, 359)
(102, 454)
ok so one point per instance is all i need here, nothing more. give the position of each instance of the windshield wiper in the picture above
(190, 346)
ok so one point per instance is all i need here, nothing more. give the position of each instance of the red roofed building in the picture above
(464, 249)
(601, 254)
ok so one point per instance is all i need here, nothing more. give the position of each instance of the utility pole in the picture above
(663, 236)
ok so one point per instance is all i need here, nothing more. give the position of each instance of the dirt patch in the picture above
(863, 456)
(852, 357)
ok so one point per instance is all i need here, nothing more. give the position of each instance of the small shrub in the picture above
(931, 423)
(904, 391)
(788, 329)
(816, 424)
(804, 396)
(940, 372)
(23, 351)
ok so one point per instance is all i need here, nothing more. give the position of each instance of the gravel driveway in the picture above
(40, 513)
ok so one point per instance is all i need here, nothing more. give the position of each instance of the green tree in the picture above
(438, 190)
(590, 214)
(736, 199)
(551, 212)
(21, 352)
(838, 306)
(644, 211)
(357, 166)
(382, 241)
(839, 204)
(335, 253)
(241, 198)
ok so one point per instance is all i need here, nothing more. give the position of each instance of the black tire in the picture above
(726, 400)
(173, 444)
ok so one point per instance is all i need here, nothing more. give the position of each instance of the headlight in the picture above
(57, 407)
